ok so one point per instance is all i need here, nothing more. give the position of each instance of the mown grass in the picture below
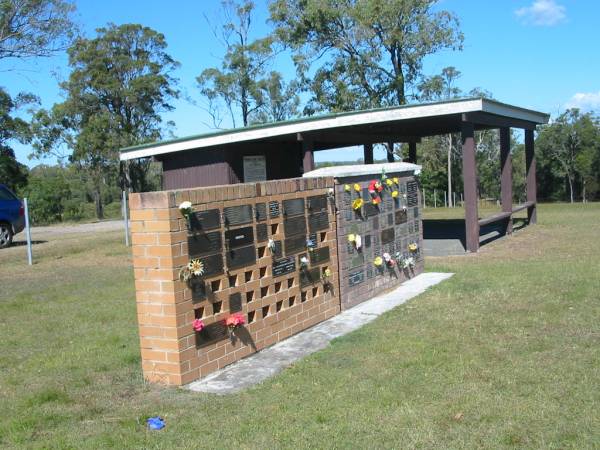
(506, 354)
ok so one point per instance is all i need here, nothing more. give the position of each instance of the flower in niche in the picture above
(196, 267)
(389, 182)
(396, 180)
(327, 273)
(376, 200)
(357, 187)
(234, 321)
(271, 244)
(352, 238)
(186, 210)
(386, 257)
(413, 247)
(198, 325)
(407, 263)
(357, 204)
(394, 194)
(347, 188)
(378, 261)
(303, 262)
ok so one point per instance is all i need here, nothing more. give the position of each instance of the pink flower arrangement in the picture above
(235, 320)
(375, 186)
(198, 325)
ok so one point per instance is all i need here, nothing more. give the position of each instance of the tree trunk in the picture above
(570, 187)
(450, 170)
(98, 203)
(583, 192)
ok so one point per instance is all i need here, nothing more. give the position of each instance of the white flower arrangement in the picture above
(408, 263)
(303, 262)
(186, 210)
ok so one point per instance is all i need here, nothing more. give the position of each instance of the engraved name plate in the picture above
(284, 266)
(294, 226)
(318, 222)
(387, 236)
(211, 333)
(273, 209)
(295, 244)
(261, 232)
(260, 210)
(355, 278)
(317, 203)
(204, 243)
(205, 220)
(235, 302)
(239, 237)
(412, 200)
(370, 209)
(319, 255)
(213, 264)
(308, 277)
(401, 216)
(240, 257)
(277, 250)
(293, 207)
(237, 215)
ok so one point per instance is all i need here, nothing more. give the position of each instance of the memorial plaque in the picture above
(318, 222)
(375, 223)
(412, 200)
(356, 278)
(295, 244)
(410, 228)
(239, 237)
(387, 236)
(198, 288)
(390, 220)
(205, 220)
(366, 195)
(204, 243)
(273, 209)
(284, 266)
(312, 241)
(357, 260)
(416, 227)
(416, 212)
(260, 210)
(367, 241)
(319, 255)
(211, 333)
(293, 207)
(411, 186)
(277, 250)
(294, 226)
(240, 257)
(370, 209)
(401, 216)
(235, 302)
(308, 277)
(237, 215)
(317, 203)
(213, 265)
(261, 232)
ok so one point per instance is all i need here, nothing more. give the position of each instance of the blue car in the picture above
(12, 216)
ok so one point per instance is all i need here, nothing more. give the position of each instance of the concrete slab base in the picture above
(258, 367)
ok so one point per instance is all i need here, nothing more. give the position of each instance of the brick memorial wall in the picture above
(252, 240)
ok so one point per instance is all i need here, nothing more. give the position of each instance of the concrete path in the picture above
(258, 367)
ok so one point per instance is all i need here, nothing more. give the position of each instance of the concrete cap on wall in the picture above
(363, 169)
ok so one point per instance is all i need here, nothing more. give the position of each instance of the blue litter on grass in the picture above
(155, 423)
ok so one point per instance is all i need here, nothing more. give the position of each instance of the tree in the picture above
(119, 85)
(280, 100)
(241, 83)
(370, 51)
(35, 28)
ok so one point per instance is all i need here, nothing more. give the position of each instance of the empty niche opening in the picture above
(217, 306)
(265, 311)
(278, 306)
(215, 285)
(251, 316)
(291, 301)
(249, 296)
(263, 272)
(290, 283)
(278, 286)
(315, 291)
(233, 280)
(261, 251)
(248, 276)
(199, 313)
(264, 291)
(274, 228)
(323, 236)
(302, 297)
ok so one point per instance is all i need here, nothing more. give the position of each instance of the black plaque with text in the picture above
(198, 288)
(370, 209)
(294, 226)
(387, 236)
(235, 302)
(273, 209)
(237, 215)
(319, 255)
(277, 250)
(317, 203)
(284, 266)
(355, 278)
(204, 243)
(318, 222)
(205, 220)
(241, 257)
(295, 244)
(412, 200)
(211, 333)
(260, 210)
(293, 207)
(239, 237)
(308, 277)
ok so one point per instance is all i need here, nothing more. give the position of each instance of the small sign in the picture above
(293, 207)
(317, 203)
(284, 266)
(237, 215)
(387, 236)
(294, 226)
(255, 168)
(260, 210)
(239, 237)
(319, 255)
(318, 222)
(308, 277)
(261, 232)
(205, 220)
(273, 209)
(204, 243)
(211, 333)
(295, 244)
(356, 278)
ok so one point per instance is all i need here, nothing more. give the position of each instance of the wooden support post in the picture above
(412, 152)
(390, 152)
(368, 150)
(308, 158)
(470, 187)
(531, 177)
(506, 176)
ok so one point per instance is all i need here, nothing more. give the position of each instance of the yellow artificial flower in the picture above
(394, 194)
(378, 261)
(357, 187)
(413, 247)
(396, 180)
(347, 187)
(351, 238)
(327, 273)
(389, 182)
(357, 204)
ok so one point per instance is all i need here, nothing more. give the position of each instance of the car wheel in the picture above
(6, 235)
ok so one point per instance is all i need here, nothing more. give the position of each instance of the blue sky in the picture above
(539, 54)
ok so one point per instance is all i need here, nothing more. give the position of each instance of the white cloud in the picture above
(542, 13)
(586, 101)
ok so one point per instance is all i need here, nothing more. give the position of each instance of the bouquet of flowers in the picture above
(186, 210)
(235, 321)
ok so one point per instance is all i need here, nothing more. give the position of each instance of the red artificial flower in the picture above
(378, 186)
(376, 200)
(198, 325)
(235, 320)
(372, 187)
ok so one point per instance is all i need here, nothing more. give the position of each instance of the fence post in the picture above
(125, 217)
(445, 200)
(28, 232)
(434, 198)
(424, 199)
(454, 199)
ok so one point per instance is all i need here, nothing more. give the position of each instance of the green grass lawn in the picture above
(504, 354)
